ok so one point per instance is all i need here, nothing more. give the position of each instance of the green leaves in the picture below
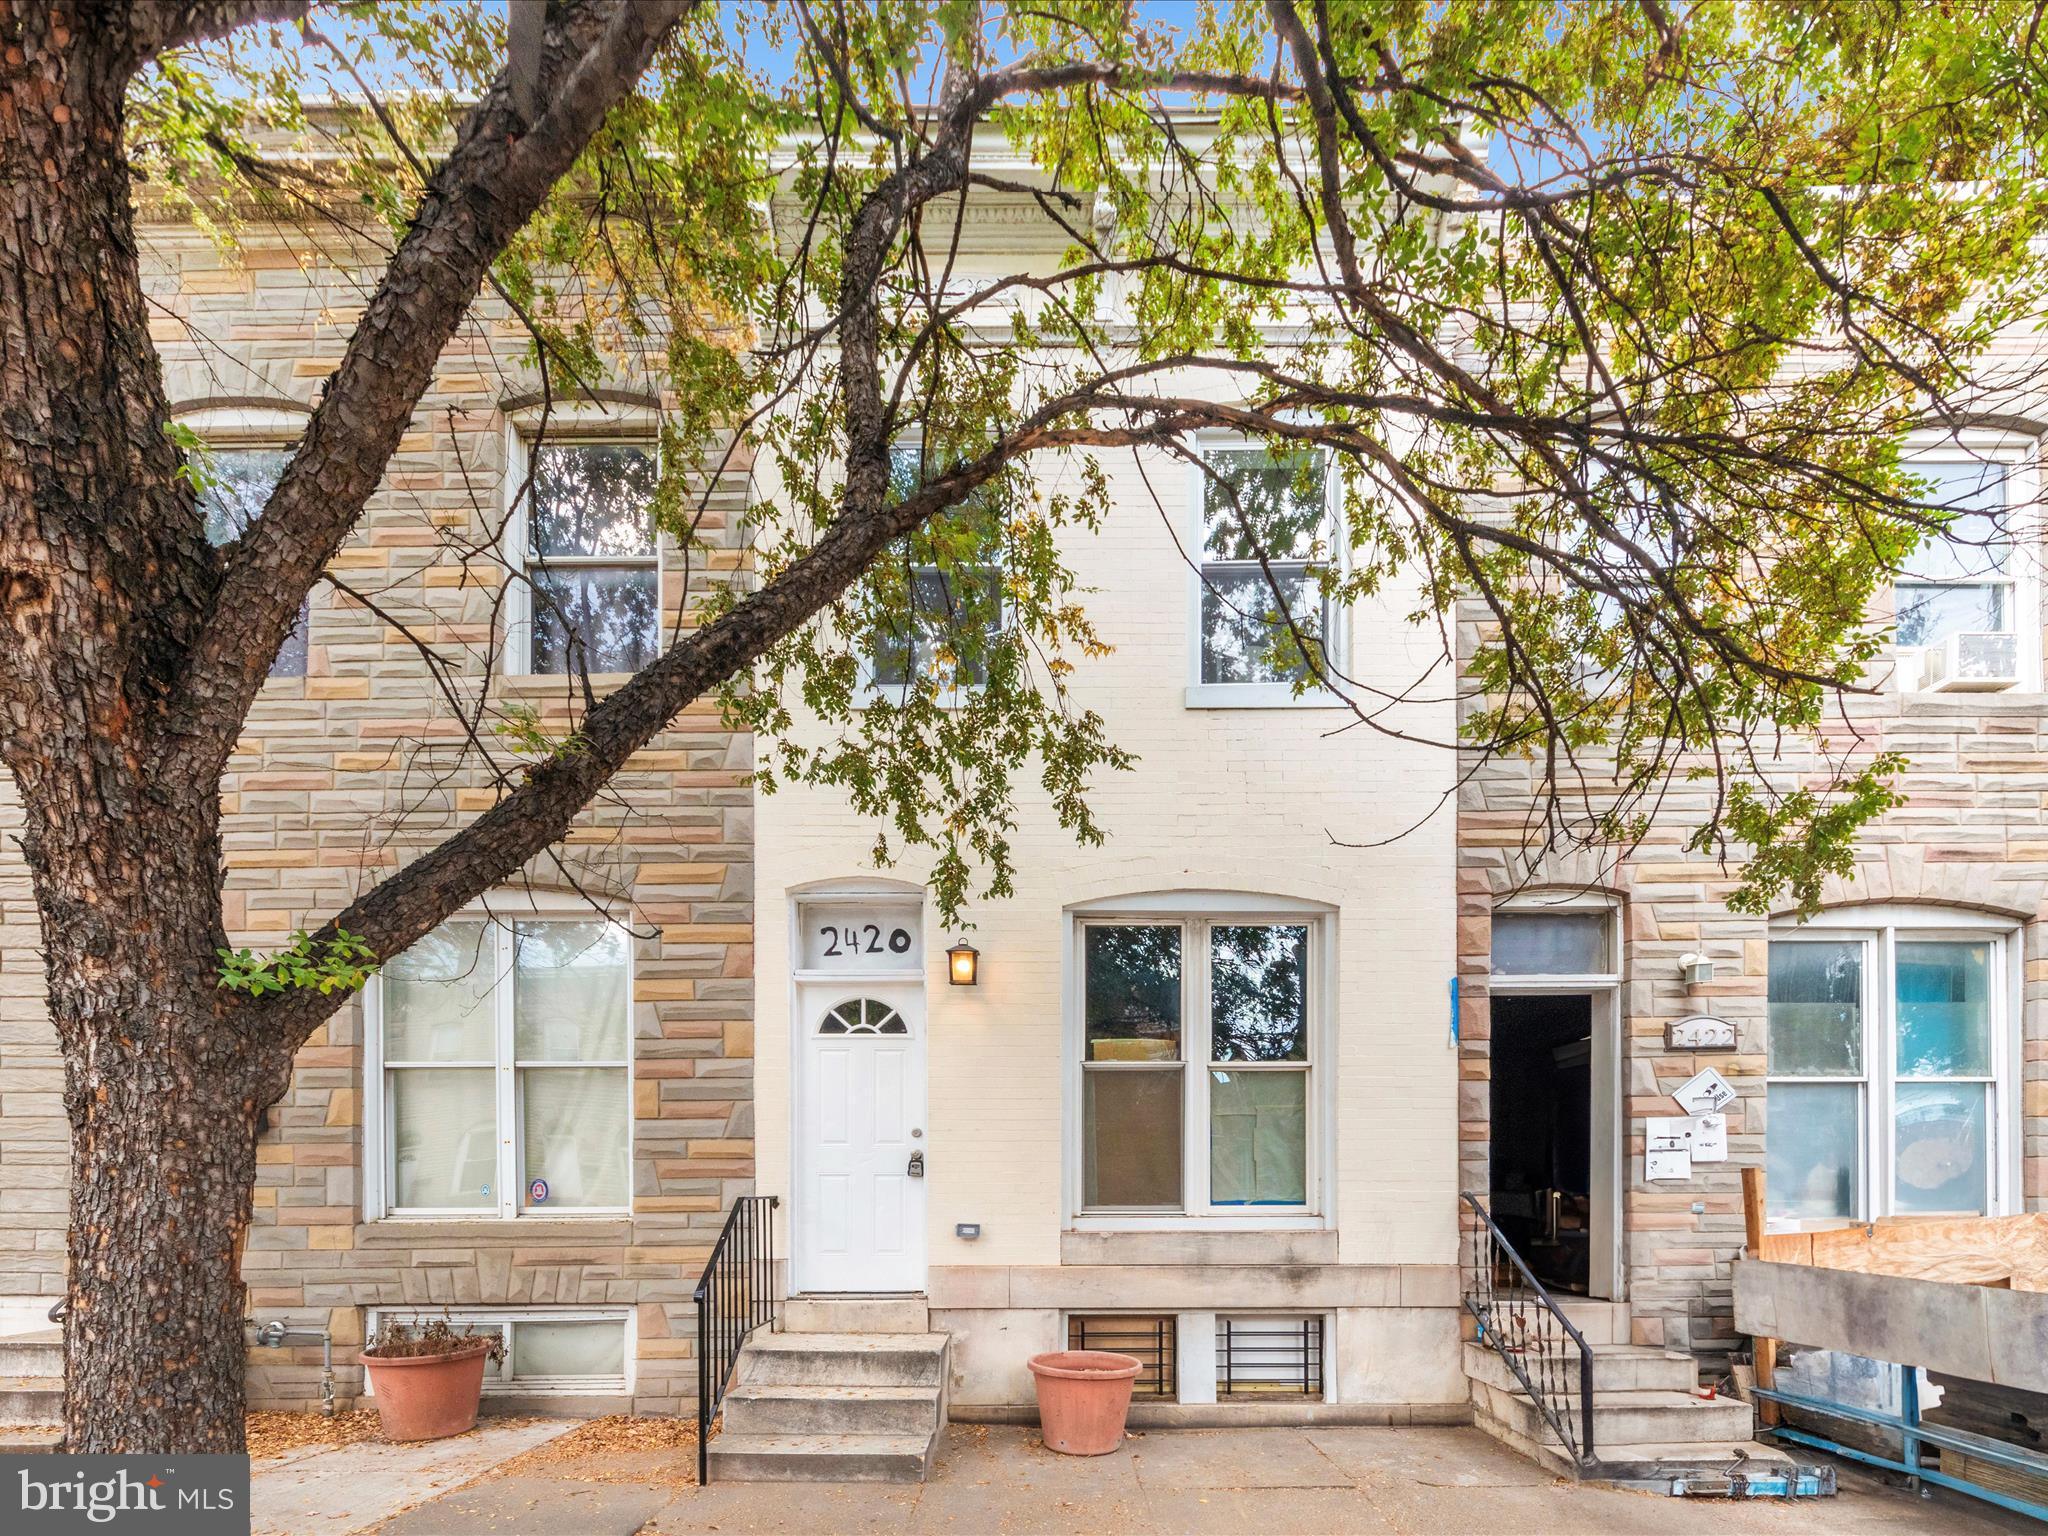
(1648, 300)
(340, 964)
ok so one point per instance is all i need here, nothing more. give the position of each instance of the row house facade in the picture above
(1211, 1092)
(535, 1120)
(1885, 1057)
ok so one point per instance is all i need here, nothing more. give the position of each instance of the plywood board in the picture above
(1969, 1250)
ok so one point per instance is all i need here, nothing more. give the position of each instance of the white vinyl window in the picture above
(500, 1051)
(948, 615)
(1250, 621)
(1891, 1043)
(1198, 1047)
(1975, 577)
(585, 539)
(247, 449)
(560, 1351)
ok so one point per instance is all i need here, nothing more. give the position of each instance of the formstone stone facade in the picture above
(1971, 838)
(345, 774)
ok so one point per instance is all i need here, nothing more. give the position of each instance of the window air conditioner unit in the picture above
(1974, 662)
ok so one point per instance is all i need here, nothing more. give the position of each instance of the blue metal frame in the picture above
(1912, 1435)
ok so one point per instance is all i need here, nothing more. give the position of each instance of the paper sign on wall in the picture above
(1668, 1133)
(1659, 1166)
(1702, 1138)
(1705, 1093)
(1709, 1138)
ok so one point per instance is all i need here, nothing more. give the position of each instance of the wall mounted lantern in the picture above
(963, 964)
(1696, 970)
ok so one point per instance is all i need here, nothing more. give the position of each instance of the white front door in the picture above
(859, 1206)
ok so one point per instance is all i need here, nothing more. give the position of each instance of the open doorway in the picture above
(1542, 1185)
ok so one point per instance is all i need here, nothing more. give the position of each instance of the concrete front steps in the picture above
(31, 1391)
(1651, 1429)
(850, 1389)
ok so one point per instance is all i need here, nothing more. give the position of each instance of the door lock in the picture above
(916, 1168)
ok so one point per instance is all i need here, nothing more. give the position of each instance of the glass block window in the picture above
(1887, 1054)
(240, 481)
(1197, 1077)
(504, 1065)
(592, 558)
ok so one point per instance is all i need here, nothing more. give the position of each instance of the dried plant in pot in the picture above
(428, 1377)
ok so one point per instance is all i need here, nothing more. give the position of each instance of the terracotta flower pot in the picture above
(427, 1397)
(1084, 1396)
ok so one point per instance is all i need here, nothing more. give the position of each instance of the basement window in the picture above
(1265, 1356)
(570, 1353)
(1147, 1338)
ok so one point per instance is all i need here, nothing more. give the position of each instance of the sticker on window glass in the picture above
(538, 1189)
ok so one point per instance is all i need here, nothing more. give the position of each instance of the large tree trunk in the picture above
(103, 570)
(162, 1099)
(125, 673)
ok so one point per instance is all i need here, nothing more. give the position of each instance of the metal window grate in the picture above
(1269, 1356)
(1147, 1339)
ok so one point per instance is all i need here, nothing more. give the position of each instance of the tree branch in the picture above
(492, 182)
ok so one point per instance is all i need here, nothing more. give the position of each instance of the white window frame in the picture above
(259, 429)
(952, 693)
(510, 1318)
(1195, 912)
(2019, 457)
(502, 911)
(1880, 930)
(1336, 617)
(568, 426)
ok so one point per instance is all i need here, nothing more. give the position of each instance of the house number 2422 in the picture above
(864, 939)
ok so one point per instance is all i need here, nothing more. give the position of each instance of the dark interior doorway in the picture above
(1542, 1133)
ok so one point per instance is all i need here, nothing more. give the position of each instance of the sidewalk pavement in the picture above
(999, 1480)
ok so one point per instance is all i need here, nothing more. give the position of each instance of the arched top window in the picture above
(863, 1016)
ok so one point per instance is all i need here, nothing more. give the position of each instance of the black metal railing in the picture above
(735, 1296)
(1269, 1356)
(1148, 1340)
(1519, 1322)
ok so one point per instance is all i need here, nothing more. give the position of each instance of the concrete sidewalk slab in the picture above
(1443, 1458)
(336, 1490)
(1234, 1458)
(999, 1481)
(537, 1504)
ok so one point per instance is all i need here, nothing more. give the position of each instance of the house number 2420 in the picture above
(864, 939)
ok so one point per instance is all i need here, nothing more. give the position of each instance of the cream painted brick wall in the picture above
(1235, 800)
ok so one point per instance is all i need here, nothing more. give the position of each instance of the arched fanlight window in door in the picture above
(863, 1016)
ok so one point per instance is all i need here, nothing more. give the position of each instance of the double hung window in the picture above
(1961, 578)
(1197, 1053)
(592, 594)
(503, 1058)
(1888, 1054)
(239, 483)
(1257, 624)
(942, 616)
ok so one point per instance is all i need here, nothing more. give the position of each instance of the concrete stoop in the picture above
(850, 1390)
(1650, 1428)
(31, 1391)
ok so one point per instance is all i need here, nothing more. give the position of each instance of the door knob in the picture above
(916, 1168)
